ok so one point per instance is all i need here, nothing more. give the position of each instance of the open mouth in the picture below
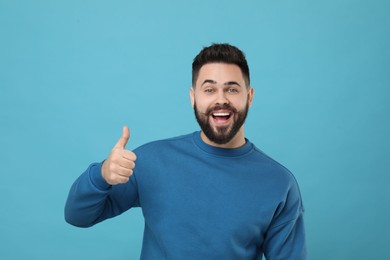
(221, 117)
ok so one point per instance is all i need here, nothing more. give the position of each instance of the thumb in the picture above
(124, 138)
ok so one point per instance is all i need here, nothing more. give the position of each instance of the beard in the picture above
(221, 134)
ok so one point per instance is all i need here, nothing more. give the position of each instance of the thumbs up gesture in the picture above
(119, 165)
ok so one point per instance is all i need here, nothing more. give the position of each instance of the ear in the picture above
(251, 94)
(192, 96)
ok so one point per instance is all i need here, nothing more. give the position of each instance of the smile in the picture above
(221, 117)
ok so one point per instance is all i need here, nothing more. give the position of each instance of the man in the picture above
(207, 195)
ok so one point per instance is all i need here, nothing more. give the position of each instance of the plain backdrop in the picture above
(72, 73)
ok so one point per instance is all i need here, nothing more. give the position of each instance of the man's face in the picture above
(221, 101)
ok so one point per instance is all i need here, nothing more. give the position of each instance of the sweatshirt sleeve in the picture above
(285, 239)
(91, 199)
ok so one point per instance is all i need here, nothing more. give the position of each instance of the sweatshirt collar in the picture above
(224, 152)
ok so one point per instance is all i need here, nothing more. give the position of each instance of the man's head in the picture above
(221, 53)
(221, 94)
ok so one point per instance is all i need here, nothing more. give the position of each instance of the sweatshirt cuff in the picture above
(96, 177)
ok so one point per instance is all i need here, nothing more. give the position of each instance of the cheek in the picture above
(202, 104)
(239, 104)
(201, 108)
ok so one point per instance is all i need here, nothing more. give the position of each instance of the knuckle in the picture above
(116, 153)
(128, 173)
(132, 165)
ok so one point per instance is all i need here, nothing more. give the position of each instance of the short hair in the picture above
(220, 53)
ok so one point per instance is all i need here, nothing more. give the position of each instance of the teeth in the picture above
(221, 114)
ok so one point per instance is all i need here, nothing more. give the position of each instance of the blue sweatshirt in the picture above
(200, 202)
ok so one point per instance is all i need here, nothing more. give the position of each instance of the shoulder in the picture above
(160, 145)
(282, 182)
(274, 168)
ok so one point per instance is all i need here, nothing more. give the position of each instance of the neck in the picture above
(237, 141)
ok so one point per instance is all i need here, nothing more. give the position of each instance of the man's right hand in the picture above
(119, 165)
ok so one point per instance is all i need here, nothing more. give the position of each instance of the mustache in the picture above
(210, 110)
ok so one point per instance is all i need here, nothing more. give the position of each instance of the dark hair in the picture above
(220, 53)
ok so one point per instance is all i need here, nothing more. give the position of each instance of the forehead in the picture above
(220, 73)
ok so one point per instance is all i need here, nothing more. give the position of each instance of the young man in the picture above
(207, 195)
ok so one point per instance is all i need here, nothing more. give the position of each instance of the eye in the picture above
(232, 90)
(208, 90)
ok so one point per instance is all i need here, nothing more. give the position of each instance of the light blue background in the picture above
(73, 72)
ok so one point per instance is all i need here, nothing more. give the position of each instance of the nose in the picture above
(221, 98)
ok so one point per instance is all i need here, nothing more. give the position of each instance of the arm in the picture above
(105, 189)
(285, 238)
(91, 199)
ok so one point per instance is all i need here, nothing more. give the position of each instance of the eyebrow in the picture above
(232, 83)
(226, 83)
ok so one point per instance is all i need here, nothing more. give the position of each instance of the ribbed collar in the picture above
(224, 152)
